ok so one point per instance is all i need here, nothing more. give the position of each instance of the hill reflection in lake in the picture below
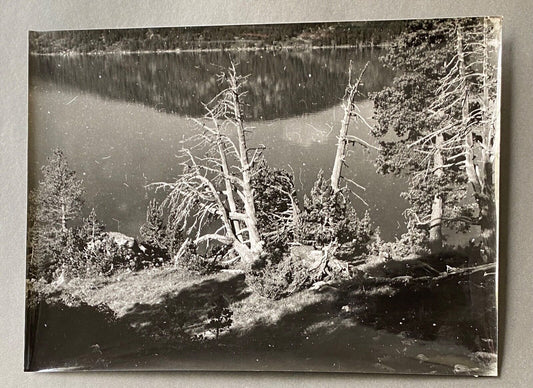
(281, 84)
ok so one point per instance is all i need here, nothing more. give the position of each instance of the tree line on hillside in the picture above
(218, 37)
(436, 125)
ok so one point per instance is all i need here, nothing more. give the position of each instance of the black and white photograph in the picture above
(308, 197)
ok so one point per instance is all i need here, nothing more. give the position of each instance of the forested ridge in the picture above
(218, 37)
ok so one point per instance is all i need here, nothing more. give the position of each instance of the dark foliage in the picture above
(328, 217)
(91, 229)
(277, 279)
(219, 316)
(276, 205)
(100, 258)
(163, 237)
(431, 123)
(201, 264)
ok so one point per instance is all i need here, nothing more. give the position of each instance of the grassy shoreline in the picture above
(162, 314)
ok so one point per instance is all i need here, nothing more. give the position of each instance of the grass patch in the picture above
(257, 310)
(122, 291)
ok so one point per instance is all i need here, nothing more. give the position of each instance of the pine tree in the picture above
(327, 217)
(90, 230)
(153, 230)
(430, 122)
(57, 200)
(276, 204)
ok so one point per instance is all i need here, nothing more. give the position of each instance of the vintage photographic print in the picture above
(291, 197)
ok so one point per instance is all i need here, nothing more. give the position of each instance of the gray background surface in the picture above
(516, 261)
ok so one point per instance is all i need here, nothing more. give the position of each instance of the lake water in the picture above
(120, 120)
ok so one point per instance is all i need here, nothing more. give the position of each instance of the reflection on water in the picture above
(280, 84)
(100, 111)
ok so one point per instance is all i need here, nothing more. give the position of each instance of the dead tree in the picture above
(214, 137)
(328, 264)
(437, 207)
(350, 110)
(233, 101)
(216, 189)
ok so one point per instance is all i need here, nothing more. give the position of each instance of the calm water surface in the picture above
(121, 118)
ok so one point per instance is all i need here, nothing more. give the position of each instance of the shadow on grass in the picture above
(61, 336)
(80, 335)
(430, 301)
(182, 314)
(433, 326)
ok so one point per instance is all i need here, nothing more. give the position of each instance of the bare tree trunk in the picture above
(487, 208)
(63, 218)
(229, 187)
(341, 151)
(246, 254)
(480, 175)
(197, 193)
(435, 225)
(437, 207)
(256, 245)
(470, 168)
(349, 107)
(181, 251)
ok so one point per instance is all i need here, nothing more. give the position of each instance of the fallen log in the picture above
(402, 280)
